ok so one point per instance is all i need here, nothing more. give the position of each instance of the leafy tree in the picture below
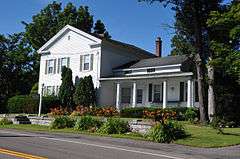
(191, 17)
(15, 67)
(100, 29)
(66, 89)
(85, 92)
(225, 45)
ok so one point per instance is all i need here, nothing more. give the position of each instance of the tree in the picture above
(191, 17)
(85, 92)
(100, 29)
(225, 45)
(15, 67)
(66, 89)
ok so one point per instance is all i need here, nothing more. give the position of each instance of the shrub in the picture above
(61, 122)
(87, 123)
(22, 104)
(114, 126)
(5, 121)
(105, 111)
(82, 111)
(160, 114)
(132, 112)
(218, 124)
(166, 132)
(49, 102)
(58, 111)
(190, 114)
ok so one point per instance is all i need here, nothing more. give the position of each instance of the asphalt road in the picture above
(19, 144)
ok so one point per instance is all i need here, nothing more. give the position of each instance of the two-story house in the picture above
(124, 75)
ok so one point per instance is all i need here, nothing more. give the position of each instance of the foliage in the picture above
(61, 122)
(132, 112)
(5, 121)
(49, 102)
(114, 126)
(105, 111)
(191, 114)
(100, 29)
(82, 111)
(66, 89)
(58, 111)
(34, 90)
(16, 70)
(85, 92)
(160, 114)
(22, 104)
(87, 123)
(218, 124)
(166, 132)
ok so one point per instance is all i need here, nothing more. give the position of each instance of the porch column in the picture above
(118, 97)
(189, 93)
(134, 92)
(164, 94)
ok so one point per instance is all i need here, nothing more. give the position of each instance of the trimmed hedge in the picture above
(29, 104)
(139, 112)
(22, 104)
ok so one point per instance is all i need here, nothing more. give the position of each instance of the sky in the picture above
(129, 21)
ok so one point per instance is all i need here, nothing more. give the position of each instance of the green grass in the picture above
(200, 136)
(204, 136)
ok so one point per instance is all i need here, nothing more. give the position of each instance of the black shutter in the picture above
(181, 94)
(150, 92)
(196, 92)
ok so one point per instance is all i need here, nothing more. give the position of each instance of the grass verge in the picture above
(199, 136)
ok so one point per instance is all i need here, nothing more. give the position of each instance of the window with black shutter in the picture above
(181, 94)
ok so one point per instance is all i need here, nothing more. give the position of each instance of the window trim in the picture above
(89, 63)
(156, 92)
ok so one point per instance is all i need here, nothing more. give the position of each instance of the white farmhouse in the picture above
(124, 75)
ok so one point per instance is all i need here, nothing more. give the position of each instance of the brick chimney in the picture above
(158, 47)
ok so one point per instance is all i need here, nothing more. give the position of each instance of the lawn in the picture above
(199, 136)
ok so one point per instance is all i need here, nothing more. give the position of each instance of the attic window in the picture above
(151, 70)
(69, 37)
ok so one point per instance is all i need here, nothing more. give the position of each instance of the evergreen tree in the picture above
(66, 89)
(100, 29)
(85, 92)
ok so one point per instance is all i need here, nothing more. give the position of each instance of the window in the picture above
(50, 65)
(157, 93)
(86, 62)
(64, 62)
(151, 70)
(139, 95)
(181, 94)
(49, 90)
(150, 92)
(126, 95)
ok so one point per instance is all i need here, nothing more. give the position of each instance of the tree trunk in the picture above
(211, 94)
(201, 90)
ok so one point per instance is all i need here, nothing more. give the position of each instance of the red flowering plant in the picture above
(106, 111)
(82, 111)
(160, 115)
(58, 111)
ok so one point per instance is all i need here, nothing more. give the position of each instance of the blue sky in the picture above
(126, 20)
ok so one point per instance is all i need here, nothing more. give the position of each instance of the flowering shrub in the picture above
(160, 114)
(58, 111)
(106, 112)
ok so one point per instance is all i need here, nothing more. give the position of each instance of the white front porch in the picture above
(159, 92)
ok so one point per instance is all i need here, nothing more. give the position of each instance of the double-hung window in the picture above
(126, 95)
(157, 94)
(86, 62)
(64, 62)
(50, 66)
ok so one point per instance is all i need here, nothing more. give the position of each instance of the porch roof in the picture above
(150, 76)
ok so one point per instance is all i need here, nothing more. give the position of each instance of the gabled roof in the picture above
(64, 30)
(96, 39)
(154, 62)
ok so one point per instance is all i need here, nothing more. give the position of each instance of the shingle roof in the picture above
(152, 62)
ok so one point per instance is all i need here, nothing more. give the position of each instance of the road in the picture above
(41, 145)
